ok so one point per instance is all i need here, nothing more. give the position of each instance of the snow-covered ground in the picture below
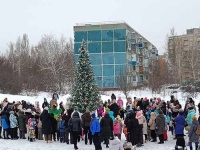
(41, 145)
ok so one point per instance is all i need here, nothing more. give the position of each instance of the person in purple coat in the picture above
(179, 124)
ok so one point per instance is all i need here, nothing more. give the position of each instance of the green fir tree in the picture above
(85, 92)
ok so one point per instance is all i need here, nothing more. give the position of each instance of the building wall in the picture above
(112, 49)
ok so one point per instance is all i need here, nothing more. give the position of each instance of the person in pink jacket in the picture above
(120, 102)
(100, 110)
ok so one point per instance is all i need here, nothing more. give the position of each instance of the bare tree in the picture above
(122, 82)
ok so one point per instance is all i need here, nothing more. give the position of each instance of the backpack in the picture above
(197, 131)
(117, 128)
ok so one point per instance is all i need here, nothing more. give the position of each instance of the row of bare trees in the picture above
(45, 66)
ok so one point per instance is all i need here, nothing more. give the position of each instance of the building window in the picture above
(94, 47)
(120, 46)
(94, 35)
(120, 58)
(134, 68)
(79, 36)
(141, 78)
(120, 34)
(134, 78)
(107, 35)
(107, 47)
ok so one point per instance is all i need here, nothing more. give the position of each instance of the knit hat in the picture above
(93, 115)
(194, 118)
(127, 145)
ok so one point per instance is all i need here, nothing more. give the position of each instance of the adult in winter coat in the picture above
(152, 125)
(193, 137)
(75, 125)
(133, 129)
(190, 115)
(47, 121)
(107, 128)
(13, 125)
(160, 126)
(95, 131)
(120, 102)
(115, 144)
(115, 108)
(55, 96)
(54, 127)
(22, 124)
(180, 123)
(86, 120)
(45, 103)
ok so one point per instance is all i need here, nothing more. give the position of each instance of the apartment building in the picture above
(113, 47)
(184, 52)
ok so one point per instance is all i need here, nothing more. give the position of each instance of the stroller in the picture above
(180, 142)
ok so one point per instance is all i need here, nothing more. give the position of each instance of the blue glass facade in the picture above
(107, 49)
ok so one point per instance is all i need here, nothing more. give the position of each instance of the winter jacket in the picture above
(115, 108)
(75, 122)
(106, 126)
(180, 123)
(193, 137)
(4, 121)
(100, 110)
(45, 104)
(116, 128)
(31, 123)
(120, 102)
(113, 97)
(47, 121)
(13, 121)
(86, 120)
(22, 121)
(95, 126)
(52, 103)
(140, 117)
(133, 128)
(61, 126)
(115, 144)
(152, 121)
(55, 96)
(55, 112)
(111, 115)
(160, 124)
(190, 115)
(144, 126)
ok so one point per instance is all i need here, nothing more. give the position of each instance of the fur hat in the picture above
(127, 145)
(194, 118)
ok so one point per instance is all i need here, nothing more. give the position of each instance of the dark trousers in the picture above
(5, 133)
(0, 130)
(36, 132)
(62, 137)
(97, 141)
(21, 134)
(13, 133)
(58, 135)
(153, 135)
(88, 135)
(75, 137)
(161, 138)
(140, 138)
(67, 135)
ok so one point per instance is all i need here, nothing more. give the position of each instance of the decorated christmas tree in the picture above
(85, 92)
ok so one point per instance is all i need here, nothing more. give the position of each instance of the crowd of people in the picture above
(135, 118)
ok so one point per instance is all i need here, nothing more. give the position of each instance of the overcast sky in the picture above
(152, 18)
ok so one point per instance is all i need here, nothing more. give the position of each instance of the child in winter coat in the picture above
(5, 125)
(31, 128)
(117, 128)
(61, 126)
(13, 125)
(115, 144)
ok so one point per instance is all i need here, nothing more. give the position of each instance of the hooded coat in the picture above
(115, 144)
(22, 121)
(75, 122)
(160, 124)
(13, 121)
(106, 126)
(152, 121)
(115, 108)
(95, 126)
(180, 123)
(193, 137)
(47, 121)
(190, 115)
(86, 120)
(111, 114)
(133, 128)
(120, 102)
